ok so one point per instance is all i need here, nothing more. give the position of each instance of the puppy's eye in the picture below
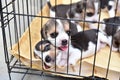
(54, 35)
(47, 47)
(89, 14)
(68, 32)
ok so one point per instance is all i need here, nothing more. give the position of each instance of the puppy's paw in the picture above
(114, 49)
(103, 45)
(72, 67)
(62, 64)
(72, 62)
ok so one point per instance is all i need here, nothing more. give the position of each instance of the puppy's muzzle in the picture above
(48, 59)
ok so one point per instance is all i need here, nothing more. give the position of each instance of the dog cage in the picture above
(19, 41)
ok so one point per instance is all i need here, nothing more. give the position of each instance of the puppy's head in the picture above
(75, 12)
(113, 29)
(116, 40)
(85, 9)
(46, 52)
(57, 32)
(90, 11)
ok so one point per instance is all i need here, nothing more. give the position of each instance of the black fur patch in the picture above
(109, 7)
(111, 25)
(61, 10)
(73, 28)
(81, 39)
(104, 3)
(40, 43)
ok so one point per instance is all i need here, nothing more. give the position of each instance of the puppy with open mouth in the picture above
(111, 27)
(46, 52)
(49, 54)
(57, 33)
(72, 46)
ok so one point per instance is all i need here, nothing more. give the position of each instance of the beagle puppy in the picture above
(111, 27)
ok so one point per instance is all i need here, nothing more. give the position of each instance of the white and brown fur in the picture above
(58, 33)
(60, 11)
(111, 27)
(51, 57)
(80, 43)
(88, 10)
(91, 10)
(46, 52)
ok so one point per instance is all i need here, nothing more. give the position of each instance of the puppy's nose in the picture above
(64, 42)
(48, 59)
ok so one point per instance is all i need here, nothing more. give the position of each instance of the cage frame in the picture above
(10, 58)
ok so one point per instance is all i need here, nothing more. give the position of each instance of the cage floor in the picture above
(102, 57)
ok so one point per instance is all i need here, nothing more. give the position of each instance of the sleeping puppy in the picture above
(85, 8)
(112, 29)
(59, 11)
(50, 55)
(90, 11)
(46, 52)
(91, 8)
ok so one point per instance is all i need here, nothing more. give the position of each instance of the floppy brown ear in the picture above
(44, 32)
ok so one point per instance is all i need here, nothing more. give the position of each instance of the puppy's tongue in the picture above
(46, 66)
(63, 48)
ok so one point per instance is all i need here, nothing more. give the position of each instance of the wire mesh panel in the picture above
(68, 38)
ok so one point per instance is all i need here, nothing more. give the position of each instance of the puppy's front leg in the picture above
(58, 58)
(61, 62)
(75, 55)
(114, 49)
